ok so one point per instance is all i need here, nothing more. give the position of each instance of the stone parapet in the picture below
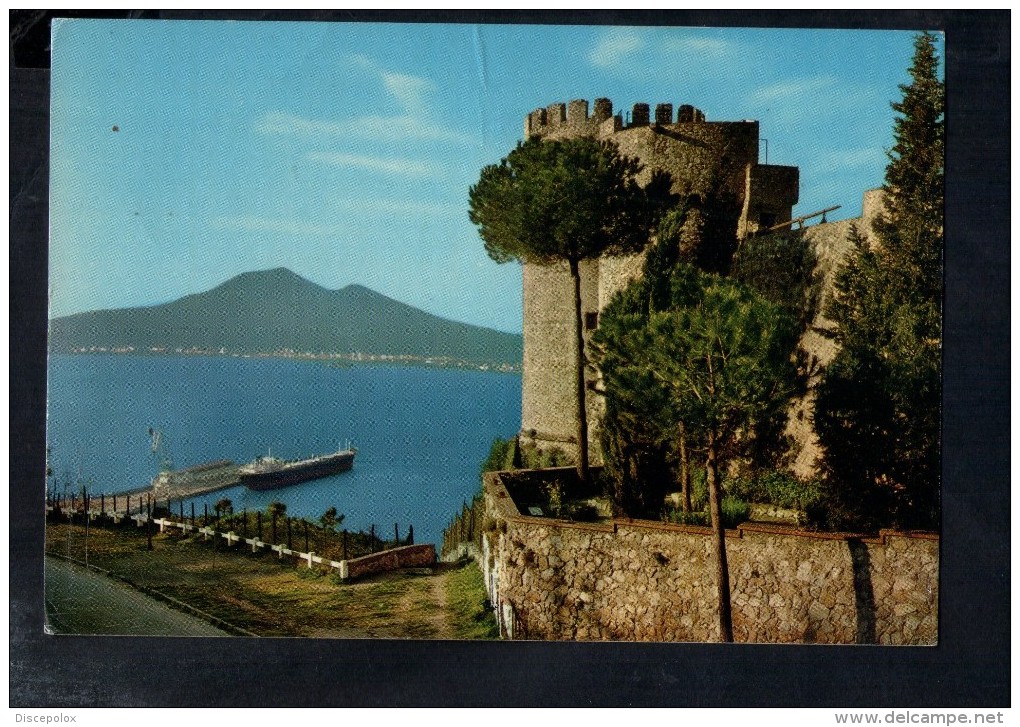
(407, 556)
(651, 581)
(573, 117)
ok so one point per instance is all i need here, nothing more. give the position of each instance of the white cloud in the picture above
(630, 52)
(792, 90)
(699, 45)
(408, 90)
(804, 102)
(383, 165)
(413, 124)
(371, 128)
(277, 122)
(614, 47)
(399, 128)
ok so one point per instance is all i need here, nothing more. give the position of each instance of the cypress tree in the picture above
(878, 414)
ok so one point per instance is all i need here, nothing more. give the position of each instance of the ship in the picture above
(269, 473)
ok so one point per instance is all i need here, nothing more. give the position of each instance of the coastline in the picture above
(333, 359)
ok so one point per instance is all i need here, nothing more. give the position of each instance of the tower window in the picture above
(591, 321)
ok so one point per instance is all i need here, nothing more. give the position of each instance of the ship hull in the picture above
(296, 472)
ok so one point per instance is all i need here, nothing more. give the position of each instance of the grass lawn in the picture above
(270, 597)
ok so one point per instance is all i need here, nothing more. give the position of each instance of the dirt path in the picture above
(439, 616)
(438, 583)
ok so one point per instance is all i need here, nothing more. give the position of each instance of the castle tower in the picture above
(700, 156)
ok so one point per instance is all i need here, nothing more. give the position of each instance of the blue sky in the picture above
(345, 151)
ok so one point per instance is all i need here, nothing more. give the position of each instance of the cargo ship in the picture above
(269, 473)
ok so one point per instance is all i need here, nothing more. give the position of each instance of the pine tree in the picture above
(878, 412)
(707, 362)
(638, 429)
(565, 201)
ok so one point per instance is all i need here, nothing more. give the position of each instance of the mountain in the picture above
(273, 310)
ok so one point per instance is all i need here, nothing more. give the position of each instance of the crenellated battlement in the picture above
(573, 118)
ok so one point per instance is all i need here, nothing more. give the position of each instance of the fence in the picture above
(120, 505)
(348, 568)
(463, 536)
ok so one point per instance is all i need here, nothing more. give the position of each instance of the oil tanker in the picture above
(269, 473)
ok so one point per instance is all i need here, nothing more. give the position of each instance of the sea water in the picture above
(421, 433)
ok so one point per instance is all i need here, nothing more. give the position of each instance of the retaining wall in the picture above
(407, 556)
(650, 581)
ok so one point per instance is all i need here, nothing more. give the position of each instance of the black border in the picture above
(969, 667)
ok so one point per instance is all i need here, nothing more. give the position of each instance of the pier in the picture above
(194, 481)
(172, 485)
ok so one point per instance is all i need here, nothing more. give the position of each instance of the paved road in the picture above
(81, 601)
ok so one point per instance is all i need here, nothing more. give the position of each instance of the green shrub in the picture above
(699, 489)
(309, 574)
(533, 458)
(580, 511)
(734, 511)
(745, 488)
(781, 489)
(554, 497)
(679, 517)
(786, 490)
(501, 455)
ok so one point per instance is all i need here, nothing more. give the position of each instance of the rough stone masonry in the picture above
(651, 581)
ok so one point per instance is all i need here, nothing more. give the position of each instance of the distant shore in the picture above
(338, 359)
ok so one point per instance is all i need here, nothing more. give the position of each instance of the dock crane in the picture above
(161, 450)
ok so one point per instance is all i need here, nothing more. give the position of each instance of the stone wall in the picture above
(650, 581)
(407, 556)
(549, 399)
(773, 191)
(697, 156)
(831, 243)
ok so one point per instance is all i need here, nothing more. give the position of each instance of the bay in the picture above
(420, 433)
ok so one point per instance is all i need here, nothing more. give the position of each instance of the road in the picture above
(81, 601)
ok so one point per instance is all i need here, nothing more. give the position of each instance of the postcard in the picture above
(458, 331)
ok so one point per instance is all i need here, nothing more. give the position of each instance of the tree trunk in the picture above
(722, 570)
(582, 410)
(685, 471)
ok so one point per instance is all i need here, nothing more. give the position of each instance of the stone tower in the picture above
(700, 156)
